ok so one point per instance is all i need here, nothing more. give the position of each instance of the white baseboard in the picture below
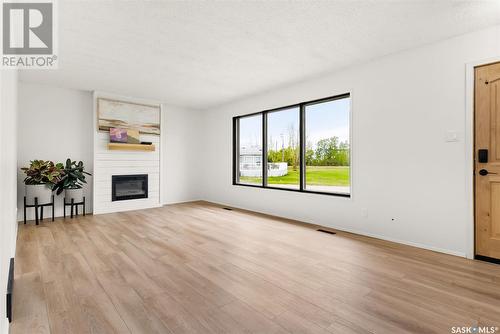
(408, 243)
(363, 233)
(131, 208)
(182, 201)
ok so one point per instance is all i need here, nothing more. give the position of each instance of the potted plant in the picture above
(72, 181)
(41, 177)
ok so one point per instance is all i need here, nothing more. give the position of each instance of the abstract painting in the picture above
(127, 115)
(117, 135)
(133, 137)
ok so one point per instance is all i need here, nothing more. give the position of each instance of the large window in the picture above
(283, 148)
(327, 146)
(304, 147)
(250, 150)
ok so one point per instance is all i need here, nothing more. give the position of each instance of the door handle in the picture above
(484, 172)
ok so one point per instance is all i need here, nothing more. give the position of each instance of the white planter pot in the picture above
(41, 191)
(75, 194)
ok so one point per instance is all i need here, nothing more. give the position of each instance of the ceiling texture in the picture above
(203, 54)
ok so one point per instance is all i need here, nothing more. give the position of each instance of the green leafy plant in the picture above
(73, 176)
(43, 172)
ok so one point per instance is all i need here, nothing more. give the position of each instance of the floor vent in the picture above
(228, 209)
(325, 231)
(10, 289)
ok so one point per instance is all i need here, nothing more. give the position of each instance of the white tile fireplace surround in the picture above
(109, 163)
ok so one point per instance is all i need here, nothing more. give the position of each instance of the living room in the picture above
(250, 167)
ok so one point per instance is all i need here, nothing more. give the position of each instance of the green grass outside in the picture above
(315, 175)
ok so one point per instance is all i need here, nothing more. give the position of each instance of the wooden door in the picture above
(487, 160)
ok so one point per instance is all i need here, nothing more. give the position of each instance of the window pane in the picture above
(283, 148)
(327, 146)
(250, 150)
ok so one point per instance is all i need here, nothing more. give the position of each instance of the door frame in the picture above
(469, 151)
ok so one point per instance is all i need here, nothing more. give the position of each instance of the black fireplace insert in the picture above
(126, 187)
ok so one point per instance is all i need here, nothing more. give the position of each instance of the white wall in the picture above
(54, 124)
(8, 187)
(411, 182)
(183, 168)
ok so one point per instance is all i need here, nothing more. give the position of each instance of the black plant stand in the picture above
(74, 205)
(36, 206)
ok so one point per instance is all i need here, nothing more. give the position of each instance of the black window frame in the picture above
(302, 146)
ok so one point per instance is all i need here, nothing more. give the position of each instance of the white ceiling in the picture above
(202, 54)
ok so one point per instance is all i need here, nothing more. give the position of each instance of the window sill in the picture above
(294, 190)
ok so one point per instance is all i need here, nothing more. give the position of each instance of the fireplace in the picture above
(126, 187)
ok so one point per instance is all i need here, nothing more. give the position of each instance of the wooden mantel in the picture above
(131, 147)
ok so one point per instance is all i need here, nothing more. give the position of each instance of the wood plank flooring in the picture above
(196, 268)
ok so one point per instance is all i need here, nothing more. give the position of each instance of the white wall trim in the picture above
(469, 149)
(352, 145)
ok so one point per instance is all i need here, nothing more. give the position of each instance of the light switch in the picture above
(451, 136)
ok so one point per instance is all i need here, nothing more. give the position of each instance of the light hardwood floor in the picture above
(196, 268)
